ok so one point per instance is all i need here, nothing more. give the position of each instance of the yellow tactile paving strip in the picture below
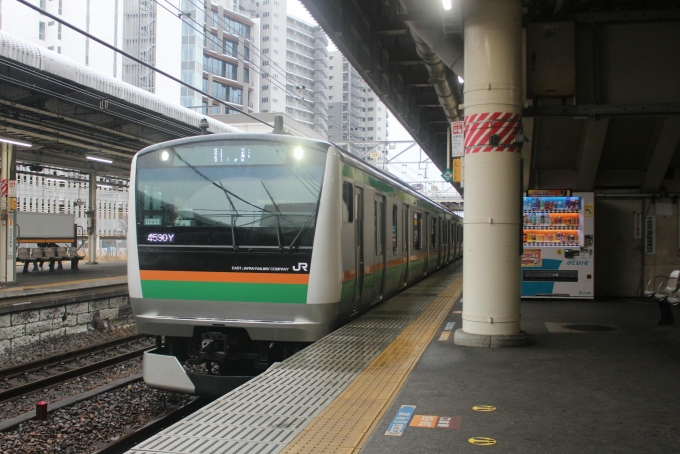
(344, 425)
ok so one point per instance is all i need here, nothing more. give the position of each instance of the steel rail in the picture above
(127, 442)
(44, 365)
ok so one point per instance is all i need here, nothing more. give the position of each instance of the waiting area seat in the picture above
(52, 255)
(666, 293)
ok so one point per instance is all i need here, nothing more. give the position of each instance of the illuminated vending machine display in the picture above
(558, 236)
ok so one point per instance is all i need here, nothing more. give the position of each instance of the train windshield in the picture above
(221, 193)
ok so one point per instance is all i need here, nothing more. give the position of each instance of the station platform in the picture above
(40, 285)
(598, 376)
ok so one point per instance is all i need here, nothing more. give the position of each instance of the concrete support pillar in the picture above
(492, 224)
(92, 238)
(8, 206)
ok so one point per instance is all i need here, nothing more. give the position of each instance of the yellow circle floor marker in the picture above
(483, 408)
(482, 441)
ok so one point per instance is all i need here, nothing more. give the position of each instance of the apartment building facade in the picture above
(294, 61)
(358, 120)
(102, 18)
(205, 44)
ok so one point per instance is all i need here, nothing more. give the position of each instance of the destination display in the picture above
(219, 153)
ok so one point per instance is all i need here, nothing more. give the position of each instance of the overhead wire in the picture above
(137, 60)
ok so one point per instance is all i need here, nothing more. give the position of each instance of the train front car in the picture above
(224, 230)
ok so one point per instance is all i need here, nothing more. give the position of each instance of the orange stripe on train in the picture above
(206, 276)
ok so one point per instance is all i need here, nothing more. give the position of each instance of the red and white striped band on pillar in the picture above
(4, 188)
(479, 128)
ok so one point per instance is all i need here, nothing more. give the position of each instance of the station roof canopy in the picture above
(69, 111)
(616, 130)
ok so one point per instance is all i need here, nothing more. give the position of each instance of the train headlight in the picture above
(165, 155)
(298, 153)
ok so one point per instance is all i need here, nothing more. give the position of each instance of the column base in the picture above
(464, 339)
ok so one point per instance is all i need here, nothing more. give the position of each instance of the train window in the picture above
(237, 192)
(417, 221)
(433, 232)
(395, 245)
(347, 202)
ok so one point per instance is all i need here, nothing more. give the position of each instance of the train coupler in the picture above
(213, 347)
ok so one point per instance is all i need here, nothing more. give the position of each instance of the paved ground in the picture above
(101, 270)
(608, 392)
(43, 283)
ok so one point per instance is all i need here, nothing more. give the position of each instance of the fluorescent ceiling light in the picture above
(15, 142)
(460, 80)
(107, 161)
(446, 4)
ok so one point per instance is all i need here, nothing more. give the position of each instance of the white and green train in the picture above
(243, 248)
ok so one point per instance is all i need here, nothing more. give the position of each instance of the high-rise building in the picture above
(205, 44)
(358, 120)
(295, 61)
(102, 18)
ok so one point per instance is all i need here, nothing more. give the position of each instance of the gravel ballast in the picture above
(61, 345)
(89, 425)
(69, 388)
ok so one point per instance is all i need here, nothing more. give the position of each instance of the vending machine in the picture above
(559, 252)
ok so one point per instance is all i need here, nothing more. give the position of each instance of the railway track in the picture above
(132, 439)
(25, 378)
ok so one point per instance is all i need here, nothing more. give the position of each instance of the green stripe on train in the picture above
(226, 291)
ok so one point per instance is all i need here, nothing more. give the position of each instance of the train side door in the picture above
(379, 262)
(445, 240)
(359, 246)
(404, 248)
(440, 252)
(426, 242)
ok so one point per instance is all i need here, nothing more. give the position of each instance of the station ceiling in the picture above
(617, 131)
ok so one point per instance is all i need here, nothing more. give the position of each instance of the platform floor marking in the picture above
(445, 335)
(484, 408)
(426, 421)
(345, 424)
(482, 441)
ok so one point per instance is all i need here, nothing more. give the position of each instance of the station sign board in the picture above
(457, 139)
